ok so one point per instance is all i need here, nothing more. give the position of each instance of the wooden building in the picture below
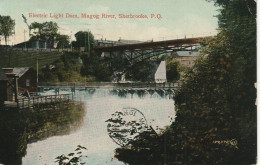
(186, 58)
(26, 77)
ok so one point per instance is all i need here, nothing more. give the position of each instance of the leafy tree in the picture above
(63, 41)
(6, 26)
(141, 71)
(44, 31)
(67, 68)
(84, 39)
(215, 107)
(175, 70)
(95, 68)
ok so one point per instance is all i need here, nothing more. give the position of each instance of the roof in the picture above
(188, 53)
(2, 75)
(122, 41)
(19, 71)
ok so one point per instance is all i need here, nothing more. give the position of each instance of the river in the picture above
(87, 127)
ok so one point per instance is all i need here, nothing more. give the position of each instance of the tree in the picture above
(44, 31)
(84, 39)
(94, 67)
(67, 68)
(174, 69)
(6, 27)
(63, 41)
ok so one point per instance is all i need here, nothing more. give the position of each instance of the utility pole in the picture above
(25, 21)
(88, 43)
(86, 37)
(85, 40)
(24, 38)
(71, 40)
(37, 69)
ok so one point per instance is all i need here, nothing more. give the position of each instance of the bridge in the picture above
(167, 44)
(128, 55)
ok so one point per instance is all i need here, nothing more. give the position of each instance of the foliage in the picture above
(19, 128)
(84, 39)
(74, 158)
(95, 67)
(141, 72)
(6, 26)
(215, 106)
(175, 70)
(63, 41)
(67, 68)
(44, 31)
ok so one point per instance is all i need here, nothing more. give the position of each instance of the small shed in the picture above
(27, 78)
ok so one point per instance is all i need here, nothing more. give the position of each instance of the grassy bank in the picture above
(12, 58)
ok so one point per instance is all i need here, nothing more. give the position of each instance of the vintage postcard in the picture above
(150, 82)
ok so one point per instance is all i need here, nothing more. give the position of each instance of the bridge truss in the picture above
(123, 57)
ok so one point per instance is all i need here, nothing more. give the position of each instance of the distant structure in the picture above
(36, 44)
(104, 42)
(123, 42)
(160, 74)
(186, 58)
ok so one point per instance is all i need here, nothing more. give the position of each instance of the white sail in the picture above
(160, 74)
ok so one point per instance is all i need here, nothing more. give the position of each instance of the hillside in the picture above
(12, 58)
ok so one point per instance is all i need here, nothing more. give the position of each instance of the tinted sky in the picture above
(179, 17)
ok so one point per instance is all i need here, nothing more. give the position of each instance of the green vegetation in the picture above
(49, 31)
(215, 107)
(6, 26)
(44, 31)
(31, 125)
(84, 39)
(95, 68)
(175, 70)
(12, 58)
(66, 68)
(73, 158)
(63, 41)
(141, 72)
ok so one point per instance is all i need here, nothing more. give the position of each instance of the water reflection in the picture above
(21, 128)
(35, 134)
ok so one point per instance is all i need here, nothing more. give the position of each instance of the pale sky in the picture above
(178, 18)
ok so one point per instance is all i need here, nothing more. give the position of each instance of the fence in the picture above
(39, 101)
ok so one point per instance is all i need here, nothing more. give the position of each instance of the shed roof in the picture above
(20, 71)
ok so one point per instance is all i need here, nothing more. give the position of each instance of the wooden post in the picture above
(16, 88)
(38, 102)
(28, 102)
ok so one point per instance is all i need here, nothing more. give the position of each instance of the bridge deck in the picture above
(158, 44)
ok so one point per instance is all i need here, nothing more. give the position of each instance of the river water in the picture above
(88, 127)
